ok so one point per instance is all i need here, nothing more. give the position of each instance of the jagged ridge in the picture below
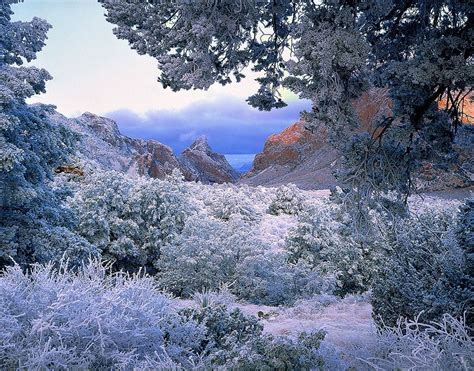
(102, 146)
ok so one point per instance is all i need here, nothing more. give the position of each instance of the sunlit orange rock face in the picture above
(468, 113)
(299, 156)
(295, 143)
(306, 158)
(289, 147)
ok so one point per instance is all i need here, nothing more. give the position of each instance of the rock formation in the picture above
(306, 159)
(199, 162)
(101, 145)
(295, 156)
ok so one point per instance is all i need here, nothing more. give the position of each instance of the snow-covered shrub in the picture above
(224, 328)
(54, 319)
(129, 220)
(287, 201)
(324, 239)
(226, 202)
(269, 279)
(442, 345)
(205, 255)
(235, 341)
(284, 353)
(423, 269)
(61, 243)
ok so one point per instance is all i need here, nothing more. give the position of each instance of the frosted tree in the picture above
(329, 52)
(33, 225)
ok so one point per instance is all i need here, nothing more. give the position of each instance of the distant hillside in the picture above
(102, 146)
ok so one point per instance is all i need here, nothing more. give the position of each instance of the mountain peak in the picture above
(201, 144)
(201, 163)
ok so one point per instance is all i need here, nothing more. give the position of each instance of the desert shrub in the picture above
(58, 319)
(236, 341)
(269, 279)
(423, 269)
(270, 353)
(210, 253)
(224, 328)
(129, 220)
(59, 243)
(287, 201)
(324, 239)
(205, 255)
(442, 345)
(229, 201)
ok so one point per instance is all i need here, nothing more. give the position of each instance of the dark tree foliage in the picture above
(33, 225)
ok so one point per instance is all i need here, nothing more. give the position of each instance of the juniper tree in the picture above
(33, 225)
(330, 52)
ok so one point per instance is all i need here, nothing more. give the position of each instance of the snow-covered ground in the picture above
(347, 323)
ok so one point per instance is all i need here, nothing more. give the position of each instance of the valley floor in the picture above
(347, 324)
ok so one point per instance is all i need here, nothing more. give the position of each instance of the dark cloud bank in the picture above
(230, 125)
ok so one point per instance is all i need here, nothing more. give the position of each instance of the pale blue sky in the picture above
(94, 71)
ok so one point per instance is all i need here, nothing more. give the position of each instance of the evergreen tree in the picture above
(33, 225)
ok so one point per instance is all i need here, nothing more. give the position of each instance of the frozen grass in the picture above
(348, 323)
(413, 345)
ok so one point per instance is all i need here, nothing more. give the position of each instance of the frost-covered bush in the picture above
(53, 318)
(93, 320)
(324, 239)
(226, 202)
(287, 201)
(270, 353)
(206, 254)
(129, 220)
(236, 341)
(224, 329)
(210, 253)
(442, 345)
(423, 269)
(269, 279)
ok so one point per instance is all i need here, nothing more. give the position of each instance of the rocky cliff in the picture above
(199, 162)
(306, 159)
(101, 145)
(295, 156)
